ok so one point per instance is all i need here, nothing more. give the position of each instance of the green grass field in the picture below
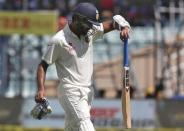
(19, 128)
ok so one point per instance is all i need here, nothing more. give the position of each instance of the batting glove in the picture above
(119, 22)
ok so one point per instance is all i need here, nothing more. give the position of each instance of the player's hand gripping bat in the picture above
(126, 109)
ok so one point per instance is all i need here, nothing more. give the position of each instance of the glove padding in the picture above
(41, 109)
(120, 22)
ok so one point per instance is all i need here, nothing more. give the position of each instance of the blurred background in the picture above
(156, 53)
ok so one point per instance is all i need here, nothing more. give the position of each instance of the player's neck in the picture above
(74, 30)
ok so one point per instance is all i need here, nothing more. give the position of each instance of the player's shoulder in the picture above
(58, 38)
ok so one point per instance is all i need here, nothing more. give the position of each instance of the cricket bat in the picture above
(126, 108)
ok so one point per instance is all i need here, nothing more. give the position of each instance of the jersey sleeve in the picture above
(99, 32)
(52, 52)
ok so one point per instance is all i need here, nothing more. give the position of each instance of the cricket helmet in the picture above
(89, 11)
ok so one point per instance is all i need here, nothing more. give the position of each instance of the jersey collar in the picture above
(68, 30)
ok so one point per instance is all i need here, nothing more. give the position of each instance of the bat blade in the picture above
(126, 108)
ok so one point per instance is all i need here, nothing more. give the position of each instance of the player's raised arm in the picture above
(117, 23)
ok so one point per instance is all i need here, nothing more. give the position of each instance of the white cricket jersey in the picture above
(72, 56)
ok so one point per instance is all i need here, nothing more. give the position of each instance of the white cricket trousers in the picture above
(76, 103)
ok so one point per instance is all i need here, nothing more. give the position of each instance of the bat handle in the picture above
(125, 62)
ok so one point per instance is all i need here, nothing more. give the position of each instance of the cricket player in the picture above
(71, 49)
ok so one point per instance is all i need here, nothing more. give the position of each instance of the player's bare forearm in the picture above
(108, 26)
(41, 73)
